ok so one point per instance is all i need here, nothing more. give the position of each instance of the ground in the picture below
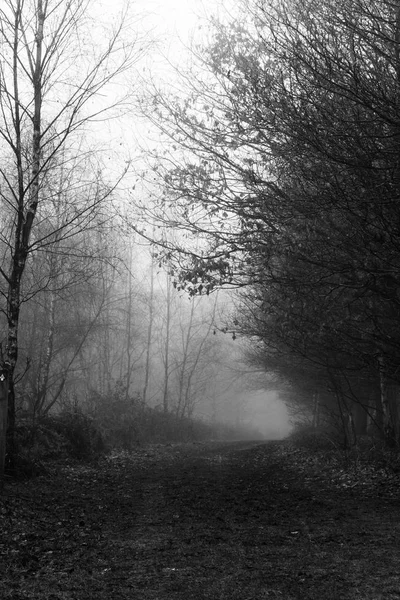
(237, 521)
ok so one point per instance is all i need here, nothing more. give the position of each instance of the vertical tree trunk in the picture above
(26, 217)
(166, 346)
(44, 372)
(360, 416)
(149, 334)
(189, 403)
(316, 411)
(387, 421)
(3, 420)
(129, 329)
(181, 406)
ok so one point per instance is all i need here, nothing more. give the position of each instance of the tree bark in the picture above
(316, 411)
(387, 421)
(24, 218)
(149, 334)
(3, 420)
(166, 346)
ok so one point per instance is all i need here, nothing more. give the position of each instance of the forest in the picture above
(250, 242)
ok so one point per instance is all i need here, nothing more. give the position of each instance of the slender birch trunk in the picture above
(44, 372)
(166, 346)
(25, 216)
(129, 330)
(149, 335)
(3, 420)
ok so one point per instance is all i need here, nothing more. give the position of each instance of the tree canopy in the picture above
(284, 155)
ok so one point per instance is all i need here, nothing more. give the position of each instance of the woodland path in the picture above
(234, 521)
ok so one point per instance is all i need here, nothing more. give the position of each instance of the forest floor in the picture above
(207, 521)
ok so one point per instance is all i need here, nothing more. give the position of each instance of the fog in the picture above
(103, 326)
(264, 411)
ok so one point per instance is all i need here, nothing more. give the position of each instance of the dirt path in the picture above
(238, 521)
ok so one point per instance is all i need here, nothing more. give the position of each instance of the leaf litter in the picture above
(203, 521)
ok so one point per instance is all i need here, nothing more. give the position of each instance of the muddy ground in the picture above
(234, 521)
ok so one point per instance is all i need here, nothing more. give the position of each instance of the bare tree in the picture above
(150, 326)
(50, 80)
(167, 343)
(195, 355)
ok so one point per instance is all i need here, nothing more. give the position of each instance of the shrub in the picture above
(306, 436)
(68, 435)
(84, 439)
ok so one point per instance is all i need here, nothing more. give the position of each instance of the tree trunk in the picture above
(44, 372)
(181, 406)
(316, 411)
(167, 336)
(387, 421)
(129, 330)
(3, 420)
(149, 334)
(24, 218)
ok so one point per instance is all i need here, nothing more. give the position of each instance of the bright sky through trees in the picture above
(172, 28)
(166, 29)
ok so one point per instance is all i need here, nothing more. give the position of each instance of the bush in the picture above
(68, 435)
(126, 422)
(83, 438)
(306, 436)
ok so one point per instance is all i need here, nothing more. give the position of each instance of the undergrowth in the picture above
(367, 451)
(121, 424)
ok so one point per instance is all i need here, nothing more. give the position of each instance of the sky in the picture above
(166, 27)
(171, 22)
(180, 17)
(168, 19)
